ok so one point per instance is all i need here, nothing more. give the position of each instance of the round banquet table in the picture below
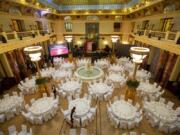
(115, 77)
(100, 88)
(82, 62)
(147, 88)
(116, 68)
(141, 75)
(29, 84)
(129, 66)
(82, 106)
(42, 105)
(67, 65)
(102, 63)
(161, 111)
(71, 86)
(61, 74)
(123, 110)
(9, 103)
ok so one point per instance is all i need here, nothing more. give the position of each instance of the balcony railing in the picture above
(8, 36)
(159, 35)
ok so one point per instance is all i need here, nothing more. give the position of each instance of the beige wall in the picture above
(105, 27)
(5, 20)
(6, 23)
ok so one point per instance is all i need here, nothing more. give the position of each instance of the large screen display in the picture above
(58, 49)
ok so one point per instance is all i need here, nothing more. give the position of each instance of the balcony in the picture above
(14, 40)
(163, 40)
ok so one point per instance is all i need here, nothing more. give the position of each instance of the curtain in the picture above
(160, 65)
(21, 63)
(14, 65)
(168, 69)
(154, 61)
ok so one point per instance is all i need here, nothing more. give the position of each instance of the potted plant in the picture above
(42, 83)
(131, 89)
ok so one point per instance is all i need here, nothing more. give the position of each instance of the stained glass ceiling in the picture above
(89, 2)
(67, 5)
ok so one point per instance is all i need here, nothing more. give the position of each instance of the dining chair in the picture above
(1, 133)
(30, 132)
(26, 115)
(84, 120)
(23, 129)
(2, 118)
(130, 101)
(83, 131)
(115, 98)
(170, 104)
(6, 95)
(72, 131)
(178, 111)
(32, 101)
(122, 97)
(132, 133)
(12, 130)
(44, 94)
(9, 114)
(15, 93)
(93, 110)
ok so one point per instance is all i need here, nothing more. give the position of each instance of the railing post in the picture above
(145, 32)
(38, 33)
(177, 36)
(5, 35)
(15, 34)
(167, 35)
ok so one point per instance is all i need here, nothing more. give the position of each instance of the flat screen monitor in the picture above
(58, 49)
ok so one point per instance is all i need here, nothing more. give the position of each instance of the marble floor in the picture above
(57, 126)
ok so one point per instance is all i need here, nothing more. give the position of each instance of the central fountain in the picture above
(89, 72)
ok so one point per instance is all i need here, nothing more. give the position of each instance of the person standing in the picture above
(72, 115)
(54, 91)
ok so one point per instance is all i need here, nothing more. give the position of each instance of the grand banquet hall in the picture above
(89, 67)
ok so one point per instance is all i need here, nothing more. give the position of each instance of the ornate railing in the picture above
(172, 36)
(7, 36)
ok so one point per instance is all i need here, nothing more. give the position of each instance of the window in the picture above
(166, 24)
(117, 26)
(68, 26)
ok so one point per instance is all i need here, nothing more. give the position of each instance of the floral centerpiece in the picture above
(131, 89)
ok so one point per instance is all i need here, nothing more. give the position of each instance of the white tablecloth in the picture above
(29, 84)
(6, 104)
(67, 65)
(129, 66)
(123, 110)
(82, 62)
(147, 88)
(61, 74)
(141, 74)
(115, 77)
(71, 86)
(123, 60)
(161, 111)
(82, 106)
(116, 68)
(100, 88)
(102, 63)
(42, 105)
(47, 72)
